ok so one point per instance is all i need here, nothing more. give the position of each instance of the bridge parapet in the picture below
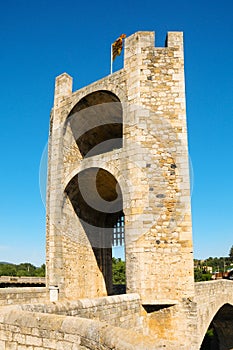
(17, 295)
(23, 329)
(31, 280)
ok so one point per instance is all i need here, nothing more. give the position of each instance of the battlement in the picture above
(137, 46)
(175, 40)
(145, 39)
(141, 46)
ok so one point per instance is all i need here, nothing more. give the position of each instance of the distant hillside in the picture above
(5, 263)
(23, 269)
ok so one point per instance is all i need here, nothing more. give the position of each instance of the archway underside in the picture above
(96, 123)
(219, 335)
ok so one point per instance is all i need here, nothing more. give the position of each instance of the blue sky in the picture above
(42, 39)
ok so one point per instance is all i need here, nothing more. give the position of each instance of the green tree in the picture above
(26, 269)
(231, 254)
(23, 269)
(118, 271)
(201, 275)
(40, 271)
(8, 270)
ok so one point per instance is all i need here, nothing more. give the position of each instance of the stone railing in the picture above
(24, 329)
(10, 296)
(21, 280)
(118, 310)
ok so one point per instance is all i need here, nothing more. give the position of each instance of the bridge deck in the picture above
(6, 281)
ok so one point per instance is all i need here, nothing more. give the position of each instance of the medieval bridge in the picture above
(118, 171)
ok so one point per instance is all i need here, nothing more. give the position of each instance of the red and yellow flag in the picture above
(117, 46)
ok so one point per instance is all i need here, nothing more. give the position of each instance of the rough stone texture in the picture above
(36, 331)
(181, 326)
(146, 173)
(9, 296)
(119, 310)
(151, 169)
(22, 280)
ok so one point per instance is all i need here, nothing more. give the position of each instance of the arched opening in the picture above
(219, 335)
(96, 123)
(97, 200)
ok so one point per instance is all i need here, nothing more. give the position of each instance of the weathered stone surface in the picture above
(62, 332)
(10, 296)
(143, 105)
(119, 310)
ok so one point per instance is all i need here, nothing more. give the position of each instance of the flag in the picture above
(117, 46)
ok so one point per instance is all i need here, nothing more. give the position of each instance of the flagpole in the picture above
(111, 61)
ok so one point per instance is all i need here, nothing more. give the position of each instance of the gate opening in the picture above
(97, 200)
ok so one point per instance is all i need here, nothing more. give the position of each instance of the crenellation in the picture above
(63, 88)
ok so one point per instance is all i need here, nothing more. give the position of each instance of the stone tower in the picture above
(118, 154)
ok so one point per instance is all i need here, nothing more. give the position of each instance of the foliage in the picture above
(210, 341)
(202, 267)
(231, 254)
(200, 275)
(7, 270)
(23, 269)
(118, 271)
(40, 271)
(218, 264)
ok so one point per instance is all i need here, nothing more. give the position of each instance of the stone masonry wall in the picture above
(10, 296)
(21, 330)
(47, 326)
(151, 170)
(175, 323)
(64, 264)
(120, 310)
(159, 262)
